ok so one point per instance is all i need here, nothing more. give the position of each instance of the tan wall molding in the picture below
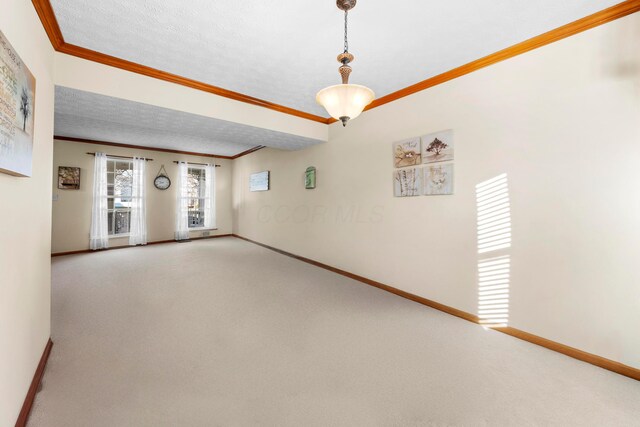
(593, 359)
(158, 242)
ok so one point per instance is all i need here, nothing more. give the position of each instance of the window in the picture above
(196, 199)
(119, 191)
(196, 196)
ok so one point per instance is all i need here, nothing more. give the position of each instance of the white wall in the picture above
(562, 121)
(72, 210)
(25, 224)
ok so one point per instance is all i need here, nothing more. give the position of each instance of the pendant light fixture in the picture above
(345, 101)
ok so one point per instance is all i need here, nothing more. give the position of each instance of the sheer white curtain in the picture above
(182, 202)
(210, 196)
(138, 224)
(99, 235)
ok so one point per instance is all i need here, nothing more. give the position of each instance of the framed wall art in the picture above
(407, 153)
(68, 178)
(437, 147)
(259, 181)
(407, 182)
(17, 101)
(438, 180)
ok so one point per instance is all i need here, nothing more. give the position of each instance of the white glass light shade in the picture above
(345, 100)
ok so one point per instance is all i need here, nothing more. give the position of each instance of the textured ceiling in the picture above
(284, 51)
(87, 115)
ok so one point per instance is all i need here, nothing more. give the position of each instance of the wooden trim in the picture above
(23, 417)
(593, 359)
(249, 151)
(140, 147)
(121, 157)
(607, 15)
(112, 61)
(194, 163)
(163, 150)
(416, 298)
(49, 22)
(157, 242)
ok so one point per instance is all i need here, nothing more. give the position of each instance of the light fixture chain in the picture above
(346, 41)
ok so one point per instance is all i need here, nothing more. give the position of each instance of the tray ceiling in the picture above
(284, 51)
(86, 115)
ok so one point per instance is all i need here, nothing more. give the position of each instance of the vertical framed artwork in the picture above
(407, 182)
(310, 178)
(437, 147)
(17, 107)
(68, 178)
(438, 180)
(407, 153)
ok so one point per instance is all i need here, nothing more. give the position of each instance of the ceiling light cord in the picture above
(346, 41)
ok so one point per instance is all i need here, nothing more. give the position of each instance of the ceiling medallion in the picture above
(345, 101)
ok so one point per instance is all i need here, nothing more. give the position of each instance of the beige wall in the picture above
(562, 121)
(93, 77)
(25, 224)
(72, 210)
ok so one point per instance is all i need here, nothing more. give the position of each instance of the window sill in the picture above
(203, 229)
(117, 236)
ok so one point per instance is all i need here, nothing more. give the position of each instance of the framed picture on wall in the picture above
(17, 100)
(259, 181)
(68, 178)
(438, 180)
(407, 153)
(407, 182)
(437, 147)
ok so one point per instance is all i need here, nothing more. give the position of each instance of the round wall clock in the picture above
(162, 181)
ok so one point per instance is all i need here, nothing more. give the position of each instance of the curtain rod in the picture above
(199, 164)
(120, 157)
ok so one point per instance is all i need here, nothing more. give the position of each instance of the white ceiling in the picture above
(284, 51)
(88, 115)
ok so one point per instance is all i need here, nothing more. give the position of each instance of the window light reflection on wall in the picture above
(494, 234)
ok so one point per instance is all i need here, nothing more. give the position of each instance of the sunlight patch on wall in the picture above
(494, 234)
(494, 214)
(493, 291)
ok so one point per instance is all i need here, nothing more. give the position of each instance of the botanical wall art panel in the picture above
(407, 182)
(437, 147)
(68, 178)
(407, 153)
(259, 181)
(17, 105)
(438, 179)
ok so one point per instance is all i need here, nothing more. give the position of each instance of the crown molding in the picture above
(163, 150)
(50, 24)
(607, 15)
(112, 61)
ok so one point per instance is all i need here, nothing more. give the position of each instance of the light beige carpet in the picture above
(222, 332)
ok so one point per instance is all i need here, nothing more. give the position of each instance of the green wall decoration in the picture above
(310, 178)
